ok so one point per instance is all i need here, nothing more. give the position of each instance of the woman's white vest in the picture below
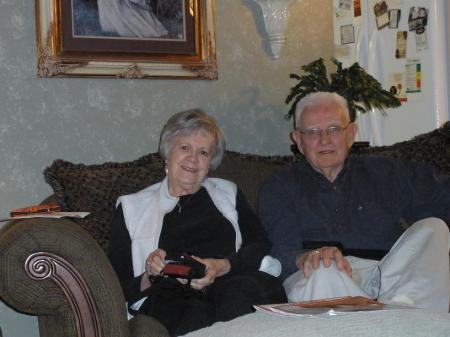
(144, 212)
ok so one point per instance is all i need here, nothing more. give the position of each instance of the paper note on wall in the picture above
(421, 41)
(413, 77)
(400, 51)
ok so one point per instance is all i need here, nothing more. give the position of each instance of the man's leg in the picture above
(324, 282)
(416, 268)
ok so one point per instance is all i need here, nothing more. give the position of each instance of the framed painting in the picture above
(126, 39)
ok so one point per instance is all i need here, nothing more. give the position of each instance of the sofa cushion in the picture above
(432, 147)
(95, 188)
(249, 171)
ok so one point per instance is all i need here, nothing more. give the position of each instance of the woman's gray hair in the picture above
(316, 99)
(188, 122)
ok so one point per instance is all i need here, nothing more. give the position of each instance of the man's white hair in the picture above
(316, 99)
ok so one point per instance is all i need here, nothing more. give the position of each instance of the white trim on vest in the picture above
(144, 212)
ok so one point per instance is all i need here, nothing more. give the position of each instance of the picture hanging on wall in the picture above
(126, 38)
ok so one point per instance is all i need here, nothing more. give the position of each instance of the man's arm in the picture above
(277, 211)
(119, 254)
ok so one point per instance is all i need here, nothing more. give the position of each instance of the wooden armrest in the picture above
(52, 267)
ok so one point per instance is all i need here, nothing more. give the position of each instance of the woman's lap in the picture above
(228, 297)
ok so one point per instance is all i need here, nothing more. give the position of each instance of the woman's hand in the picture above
(153, 266)
(311, 260)
(214, 269)
(155, 262)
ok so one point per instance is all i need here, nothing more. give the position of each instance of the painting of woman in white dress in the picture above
(131, 19)
(126, 38)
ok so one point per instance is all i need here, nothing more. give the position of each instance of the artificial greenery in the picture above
(361, 90)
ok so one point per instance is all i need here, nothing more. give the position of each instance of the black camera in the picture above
(183, 265)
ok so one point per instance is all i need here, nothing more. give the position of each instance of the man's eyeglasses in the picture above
(316, 133)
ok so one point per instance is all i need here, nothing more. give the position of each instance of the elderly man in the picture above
(317, 211)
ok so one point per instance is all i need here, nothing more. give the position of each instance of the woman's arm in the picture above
(119, 254)
(255, 244)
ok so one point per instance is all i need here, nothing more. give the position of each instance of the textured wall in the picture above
(97, 120)
(447, 38)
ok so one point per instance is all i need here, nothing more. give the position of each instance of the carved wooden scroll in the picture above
(43, 265)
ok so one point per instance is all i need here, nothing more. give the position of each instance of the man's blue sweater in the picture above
(366, 207)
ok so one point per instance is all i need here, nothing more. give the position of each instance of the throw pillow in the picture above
(432, 147)
(95, 188)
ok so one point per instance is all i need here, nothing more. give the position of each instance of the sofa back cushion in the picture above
(432, 147)
(95, 188)
(249, 172)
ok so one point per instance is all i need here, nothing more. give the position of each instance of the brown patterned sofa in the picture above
(57, 268)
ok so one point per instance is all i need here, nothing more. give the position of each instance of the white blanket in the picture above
(398, 323)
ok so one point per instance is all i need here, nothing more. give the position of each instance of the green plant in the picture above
(362, 91)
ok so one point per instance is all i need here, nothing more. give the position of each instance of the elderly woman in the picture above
(189, 212)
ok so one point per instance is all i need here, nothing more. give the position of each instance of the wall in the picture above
(447, 15)
(97, 120)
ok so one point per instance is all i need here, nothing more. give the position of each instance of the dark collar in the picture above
(323, 182)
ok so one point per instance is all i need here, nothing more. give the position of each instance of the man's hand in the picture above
(311, 260)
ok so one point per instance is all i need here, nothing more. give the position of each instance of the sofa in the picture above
(57, 269)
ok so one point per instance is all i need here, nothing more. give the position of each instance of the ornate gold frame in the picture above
(52, 62)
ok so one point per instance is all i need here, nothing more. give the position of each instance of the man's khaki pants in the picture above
(415, 272)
